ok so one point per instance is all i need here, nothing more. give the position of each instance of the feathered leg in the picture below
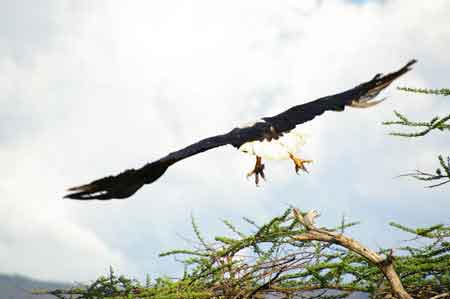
(257, 171)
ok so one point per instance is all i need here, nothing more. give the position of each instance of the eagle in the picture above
(267, 138)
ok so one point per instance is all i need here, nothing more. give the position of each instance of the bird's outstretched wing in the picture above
(360, 96)
(128, 182)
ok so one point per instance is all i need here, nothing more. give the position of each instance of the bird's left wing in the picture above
(360, 96)
(128, 182)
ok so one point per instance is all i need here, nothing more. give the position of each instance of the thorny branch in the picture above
(441, 175)
(442, 91)
(436, 123)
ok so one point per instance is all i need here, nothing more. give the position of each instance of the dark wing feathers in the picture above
(128, 182)
(359, 96)
(122, 185)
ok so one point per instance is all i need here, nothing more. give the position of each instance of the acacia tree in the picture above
(289, 256)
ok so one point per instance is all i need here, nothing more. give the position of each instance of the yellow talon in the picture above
(300, 163)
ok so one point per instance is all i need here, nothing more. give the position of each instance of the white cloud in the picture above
(124, 84)
(37, 236)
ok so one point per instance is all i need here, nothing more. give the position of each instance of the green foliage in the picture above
(266, 259)
(441, 175)
(424, 269)
(435, 123)
(442, 91)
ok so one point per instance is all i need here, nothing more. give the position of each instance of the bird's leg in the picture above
(257, 171)
(299, 163)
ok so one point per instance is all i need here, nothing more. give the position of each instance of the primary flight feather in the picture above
(269, 137)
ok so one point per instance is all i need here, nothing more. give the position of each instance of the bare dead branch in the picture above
(385, 265)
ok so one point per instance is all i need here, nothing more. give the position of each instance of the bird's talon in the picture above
(257, 171)
(300, 163)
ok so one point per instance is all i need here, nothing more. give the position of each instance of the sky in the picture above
(88, 89)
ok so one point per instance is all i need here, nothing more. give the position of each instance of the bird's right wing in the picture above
(128, 182)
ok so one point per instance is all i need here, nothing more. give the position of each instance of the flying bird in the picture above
(267, 138)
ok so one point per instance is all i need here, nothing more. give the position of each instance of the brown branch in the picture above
(441, 296)
(267, 284)
(337, 287)
(385, 265)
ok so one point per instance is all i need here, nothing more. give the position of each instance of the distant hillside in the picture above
(19, 287)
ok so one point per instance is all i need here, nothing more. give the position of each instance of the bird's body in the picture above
(275, 149)
(269, 138)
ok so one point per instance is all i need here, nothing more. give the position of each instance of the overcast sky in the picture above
(88, 89)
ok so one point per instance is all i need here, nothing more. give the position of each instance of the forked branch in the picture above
(385, 264)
